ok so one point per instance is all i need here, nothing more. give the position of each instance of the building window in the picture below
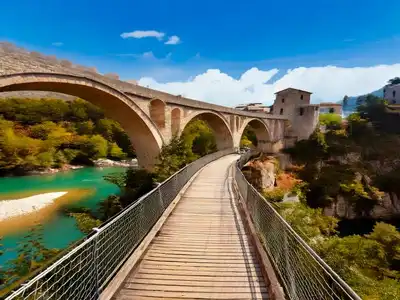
(283, 100)
(281, 112)
(301, 111)
(301, 97)
(394, 94)
(316, 108)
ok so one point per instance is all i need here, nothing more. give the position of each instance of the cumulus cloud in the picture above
(328, 83)
(57, 44)
(139, 34)
(173, 40)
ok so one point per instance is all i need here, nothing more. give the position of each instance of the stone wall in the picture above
(305, 120)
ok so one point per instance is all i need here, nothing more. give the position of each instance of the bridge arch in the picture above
(261, 131)
(157, 112)
(217, 123)
(143, 133)
(176, 116)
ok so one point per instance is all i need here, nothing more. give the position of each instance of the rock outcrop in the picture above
(112, 163)
(387, 207)
(261, 172)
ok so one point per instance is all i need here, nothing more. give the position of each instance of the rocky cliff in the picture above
(388, 207)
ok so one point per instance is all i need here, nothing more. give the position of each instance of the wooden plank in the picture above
(198, 278)
(198, 266)
(210, 251)
(221, 255)
(190, 295)
(217, 261)
(205, 237)
(226, 272)
(166, 280)
(201, 289)
(202, 246)
(169, 230)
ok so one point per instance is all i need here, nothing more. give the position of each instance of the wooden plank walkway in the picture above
(202, 251)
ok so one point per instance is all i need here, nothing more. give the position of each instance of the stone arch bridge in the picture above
(149, 117)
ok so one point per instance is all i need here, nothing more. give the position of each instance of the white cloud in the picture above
(328, 83)
(148, 54)
(57, 44)
(145, 55)
(173, 40)
(139, 34)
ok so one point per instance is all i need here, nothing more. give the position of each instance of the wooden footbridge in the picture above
(205, 233)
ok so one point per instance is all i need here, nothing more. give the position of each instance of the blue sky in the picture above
(229, 36)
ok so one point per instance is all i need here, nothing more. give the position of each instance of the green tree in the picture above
(31, 254)
(389, 237)
(95, 147)
(85, 222)
(250, 135)
(105, 128)
(78, 111)
(245, 142)
(110, 207)
(395, 80)
(331, 120)
(199, 138)
(310, 223)
(115, 152)
(172, 158)
(345, 100)
(85, 128)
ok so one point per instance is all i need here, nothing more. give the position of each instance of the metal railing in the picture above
(303, 274)
(85, 271)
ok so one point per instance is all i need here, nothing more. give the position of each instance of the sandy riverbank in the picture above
(16, 207)
(21, 213)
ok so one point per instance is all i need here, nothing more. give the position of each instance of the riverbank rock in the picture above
(53, 170)
(261, 172)
(102, 162)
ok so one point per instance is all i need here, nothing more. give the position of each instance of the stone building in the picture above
(330, 107)
(392, 93)
(295, 105)
(254, 107)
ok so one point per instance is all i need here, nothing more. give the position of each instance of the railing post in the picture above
(95, 262)
(160, 197)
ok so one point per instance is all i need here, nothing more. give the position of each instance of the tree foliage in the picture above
(86, 222)
(42, 133)
(249, 135)
(356, 160)
(331, 120)
(395, 80)
(199, 137)
(31, 255)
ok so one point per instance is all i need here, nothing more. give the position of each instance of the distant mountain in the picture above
(351, 102)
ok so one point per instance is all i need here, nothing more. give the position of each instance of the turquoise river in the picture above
(60, 230)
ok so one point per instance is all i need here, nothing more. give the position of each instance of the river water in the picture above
(60, 230)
